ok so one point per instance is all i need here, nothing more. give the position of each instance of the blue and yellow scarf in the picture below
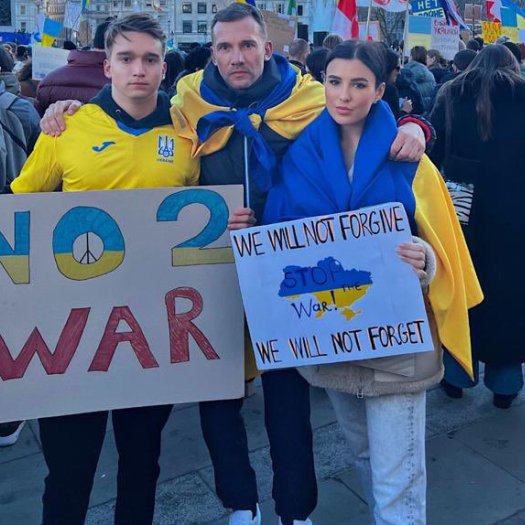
(314, 181)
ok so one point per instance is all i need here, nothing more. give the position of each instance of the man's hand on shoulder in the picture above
(52, 122)
(409, 144)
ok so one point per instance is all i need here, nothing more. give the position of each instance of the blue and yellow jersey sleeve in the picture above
(98, 153)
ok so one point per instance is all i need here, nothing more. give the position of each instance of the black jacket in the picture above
(227, 165)
(495, 231)
(407, 88)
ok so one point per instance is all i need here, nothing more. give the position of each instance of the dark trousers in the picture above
(72, 445)
(287, 419)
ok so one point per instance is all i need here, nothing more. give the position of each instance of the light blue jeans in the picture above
(386, 435)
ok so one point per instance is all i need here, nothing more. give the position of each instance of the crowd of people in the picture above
(348, 125)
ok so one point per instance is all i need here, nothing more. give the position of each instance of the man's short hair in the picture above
(298, 47)
(235, 12)
(135, 23)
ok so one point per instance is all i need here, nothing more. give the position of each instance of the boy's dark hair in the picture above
(135, 23)
(235, 12)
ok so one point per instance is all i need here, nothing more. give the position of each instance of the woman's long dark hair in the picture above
(493, 66)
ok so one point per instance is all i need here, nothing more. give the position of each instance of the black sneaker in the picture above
(455, 392)
(9, 432)
(504, 401)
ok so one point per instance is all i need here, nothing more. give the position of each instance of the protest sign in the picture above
(490, 31)
(280, 29)
(331, 289)
(433, 33)
(430, 8)
(114, 299)
(47, 59)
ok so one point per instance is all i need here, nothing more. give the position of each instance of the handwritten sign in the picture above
(281, 30)
(433, 33)
(490, 31)
(331, 289)
(47, 59)
(114, 299)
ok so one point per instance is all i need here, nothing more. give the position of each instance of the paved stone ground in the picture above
(475, 457)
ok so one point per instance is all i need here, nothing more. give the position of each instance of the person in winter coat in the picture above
(423, 78)
(80, 79)
(479, 120)
(340, 163)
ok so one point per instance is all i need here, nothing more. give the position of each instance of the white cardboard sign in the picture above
(331, 289)
(47, 59)
(114, 299)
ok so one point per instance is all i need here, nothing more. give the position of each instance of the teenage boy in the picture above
(111, 143)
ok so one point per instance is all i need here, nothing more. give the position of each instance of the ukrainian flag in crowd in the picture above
(251, 2)
(52, 30)
(512, 15)
(85, 4)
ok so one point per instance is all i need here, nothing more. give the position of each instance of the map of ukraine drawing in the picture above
(330, 283)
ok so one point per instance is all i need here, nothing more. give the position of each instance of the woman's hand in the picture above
(241, 218)
(414, 254)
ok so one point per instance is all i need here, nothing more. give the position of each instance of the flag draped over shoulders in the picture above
(285, 112)
(314, 181)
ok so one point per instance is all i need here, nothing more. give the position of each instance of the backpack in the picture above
(13, 143)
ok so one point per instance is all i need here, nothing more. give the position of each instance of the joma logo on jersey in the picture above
(166, 147)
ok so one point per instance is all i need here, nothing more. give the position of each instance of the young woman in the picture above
(340, 163)
(479, 120)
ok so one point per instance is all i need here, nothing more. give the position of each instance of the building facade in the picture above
(184, 21)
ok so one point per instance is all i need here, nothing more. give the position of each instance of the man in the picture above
(233, 121)
(271, 104)
(111, 143)
(299, 50)
(81, 78)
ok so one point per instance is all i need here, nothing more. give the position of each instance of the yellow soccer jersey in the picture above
(96, 152)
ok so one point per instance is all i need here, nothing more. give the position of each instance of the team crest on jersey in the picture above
(166, 148)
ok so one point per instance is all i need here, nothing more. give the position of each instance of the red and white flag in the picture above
(345, 22)
(494, 10)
